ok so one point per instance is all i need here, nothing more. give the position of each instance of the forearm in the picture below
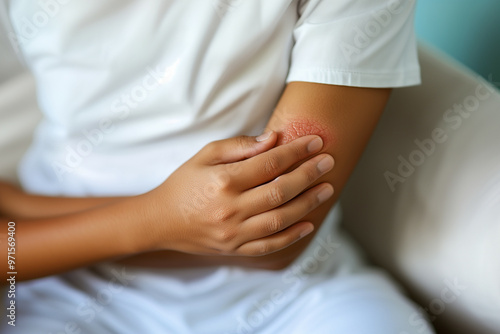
(254, 221)
(43, 219)
(16, 204)
(50, 246)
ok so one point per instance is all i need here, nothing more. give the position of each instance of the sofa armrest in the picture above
(424, 202)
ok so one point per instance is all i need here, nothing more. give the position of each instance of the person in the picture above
(182, 179)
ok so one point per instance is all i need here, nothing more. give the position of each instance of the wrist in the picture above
(149, 225)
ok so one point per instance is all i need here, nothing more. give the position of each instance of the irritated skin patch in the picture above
(303, 127)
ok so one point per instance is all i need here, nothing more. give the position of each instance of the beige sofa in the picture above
(434, 223)
(424, 201)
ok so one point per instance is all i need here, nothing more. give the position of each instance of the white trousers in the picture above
(327, 290)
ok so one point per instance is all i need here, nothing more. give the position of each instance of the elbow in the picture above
(302, 127)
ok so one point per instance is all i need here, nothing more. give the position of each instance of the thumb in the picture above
(238, 148)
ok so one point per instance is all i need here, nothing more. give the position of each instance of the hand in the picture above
(234, 197)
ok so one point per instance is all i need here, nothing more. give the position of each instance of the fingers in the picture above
(269, 165)
(279, 219)
(287, 186)
(276, 242)
(237, 148)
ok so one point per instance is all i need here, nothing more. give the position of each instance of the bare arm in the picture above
(344, 117)
(19, 205)
(52, 245)
(233, 220)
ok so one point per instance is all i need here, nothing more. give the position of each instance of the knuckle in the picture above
(275, 223)
(242, 142)
(271, 166)
(210, 147)
(298, 151)
(262, 248)
(222, 215)
(211, 151)
(276, 196)
(222, 179)
(310, 173)
(312, 202)
(226, 236)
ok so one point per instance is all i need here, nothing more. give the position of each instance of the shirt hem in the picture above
(357, 79)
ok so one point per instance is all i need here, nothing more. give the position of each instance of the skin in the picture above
(344, 117)
(238, 218)
(299, 127)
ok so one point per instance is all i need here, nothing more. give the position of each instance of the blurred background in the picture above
(467, 30)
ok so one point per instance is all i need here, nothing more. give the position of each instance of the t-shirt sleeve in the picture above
(362, 43)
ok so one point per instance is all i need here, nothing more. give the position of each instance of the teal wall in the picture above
(468, 30)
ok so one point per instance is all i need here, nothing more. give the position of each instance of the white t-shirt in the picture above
(131, 89)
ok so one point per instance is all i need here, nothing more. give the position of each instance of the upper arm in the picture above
(333, 47)
(344, 117)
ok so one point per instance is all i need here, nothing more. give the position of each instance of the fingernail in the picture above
(325, 194)
(265, 136)
(315, 145)
(325, 164)
(307, 231)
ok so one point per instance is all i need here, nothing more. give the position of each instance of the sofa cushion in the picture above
(425, 199)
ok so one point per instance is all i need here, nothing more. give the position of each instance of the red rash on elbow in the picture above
(303, 127)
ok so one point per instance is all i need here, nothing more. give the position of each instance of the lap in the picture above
(317, 294)
(86, 301)
(364, 303)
